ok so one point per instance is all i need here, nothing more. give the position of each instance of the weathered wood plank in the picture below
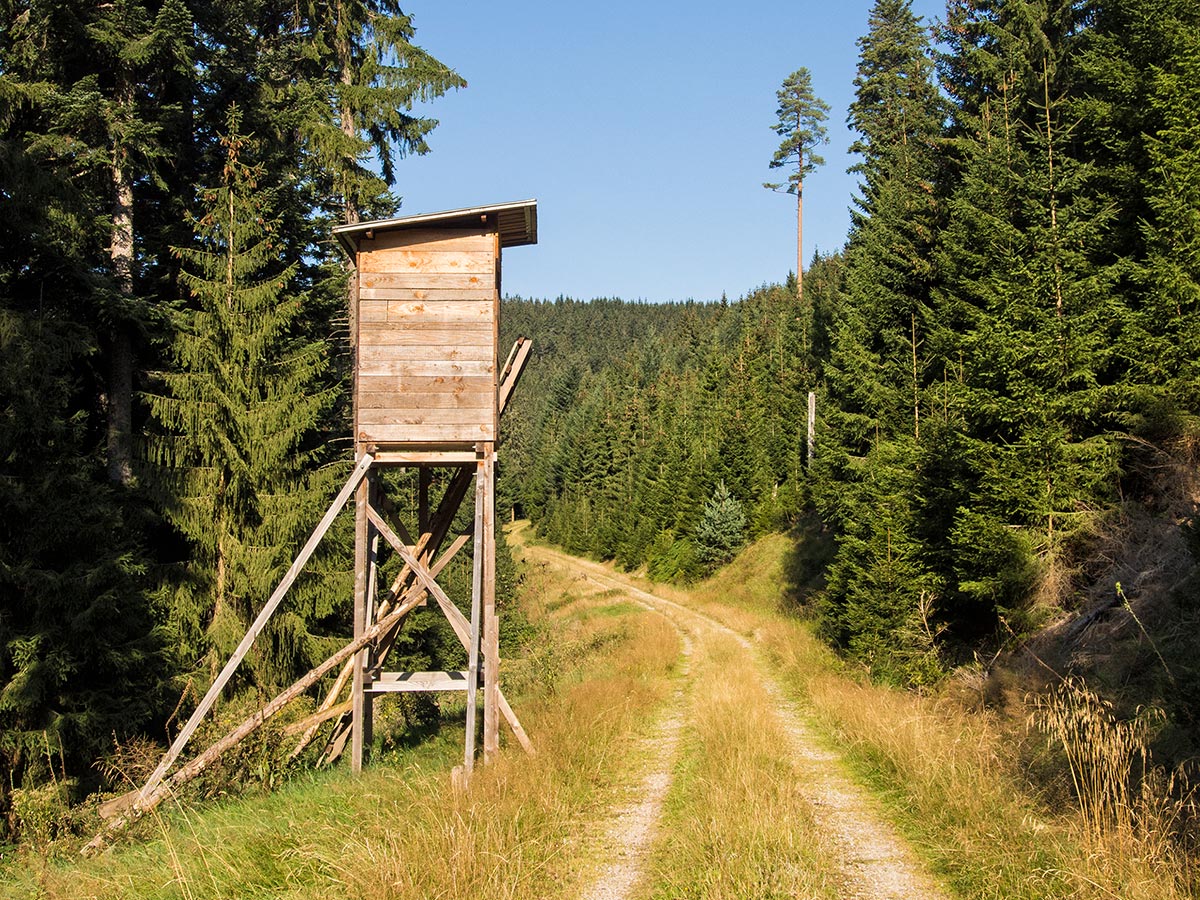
(419, 681)
(442, 434)
(467, 334)
(401, 281)
(425, 457)
(470, 238)
(431, 281)
(426, 368)
(440, 261)
(421, 352)
(431, 313)
(368, 383)
(454, 398)
(465, 417)
(431, 295)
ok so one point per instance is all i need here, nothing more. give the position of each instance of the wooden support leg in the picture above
(423, 478)
(358, 697)
(458, 622)
(478, 574)
(491, 623)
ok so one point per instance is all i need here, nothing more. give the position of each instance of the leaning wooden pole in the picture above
(256, 627)
(248, 726)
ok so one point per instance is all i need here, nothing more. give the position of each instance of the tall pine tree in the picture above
(801, 115)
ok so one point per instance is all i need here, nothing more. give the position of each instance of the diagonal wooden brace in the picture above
(458, 622)
(257, 626)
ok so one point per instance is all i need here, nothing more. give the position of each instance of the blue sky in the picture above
(643, 130)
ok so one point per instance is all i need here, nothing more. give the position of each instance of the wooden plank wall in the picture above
(428, 321)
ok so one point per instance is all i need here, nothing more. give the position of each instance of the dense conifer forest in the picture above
(1005, 357)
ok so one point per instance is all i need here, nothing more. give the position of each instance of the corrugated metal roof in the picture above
(517, 223)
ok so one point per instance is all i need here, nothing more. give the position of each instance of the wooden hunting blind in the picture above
(426, 323)
(428, 394)
(428, 391)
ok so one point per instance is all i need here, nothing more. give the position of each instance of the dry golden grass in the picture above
(735, 825)
(950, 774)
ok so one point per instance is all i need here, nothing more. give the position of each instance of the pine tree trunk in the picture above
(346, 114)
(800, 241)
(119, 405)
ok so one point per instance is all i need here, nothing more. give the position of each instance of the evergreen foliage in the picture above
(221, 369)
(632, 435)
(1013, 311)
(1016, 307)
(801, 115)
(238, 464)
(721, 531)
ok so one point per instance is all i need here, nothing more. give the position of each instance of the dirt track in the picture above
(873, 860)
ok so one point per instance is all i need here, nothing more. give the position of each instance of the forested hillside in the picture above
(1004, 356)
(634, 415)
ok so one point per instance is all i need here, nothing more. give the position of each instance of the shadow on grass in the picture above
(807, 560)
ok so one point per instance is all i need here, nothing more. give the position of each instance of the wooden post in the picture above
(423, 477)
(358, 698)
(478, 574)
(812, 425)
(491, 624)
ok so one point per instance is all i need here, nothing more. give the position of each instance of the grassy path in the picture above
(691, 744)
(760, 809)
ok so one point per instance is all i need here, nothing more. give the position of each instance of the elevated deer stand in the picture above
(428, 392)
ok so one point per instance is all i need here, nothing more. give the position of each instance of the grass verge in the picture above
(947, 773)
(400, 830)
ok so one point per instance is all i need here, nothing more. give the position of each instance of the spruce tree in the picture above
(1028, 287)
(81, 642)
(236, 461)
(882, 356)
(1165, 337)
(365, 113)
(721, 531)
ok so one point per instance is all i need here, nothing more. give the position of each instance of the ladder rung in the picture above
(388, 682)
